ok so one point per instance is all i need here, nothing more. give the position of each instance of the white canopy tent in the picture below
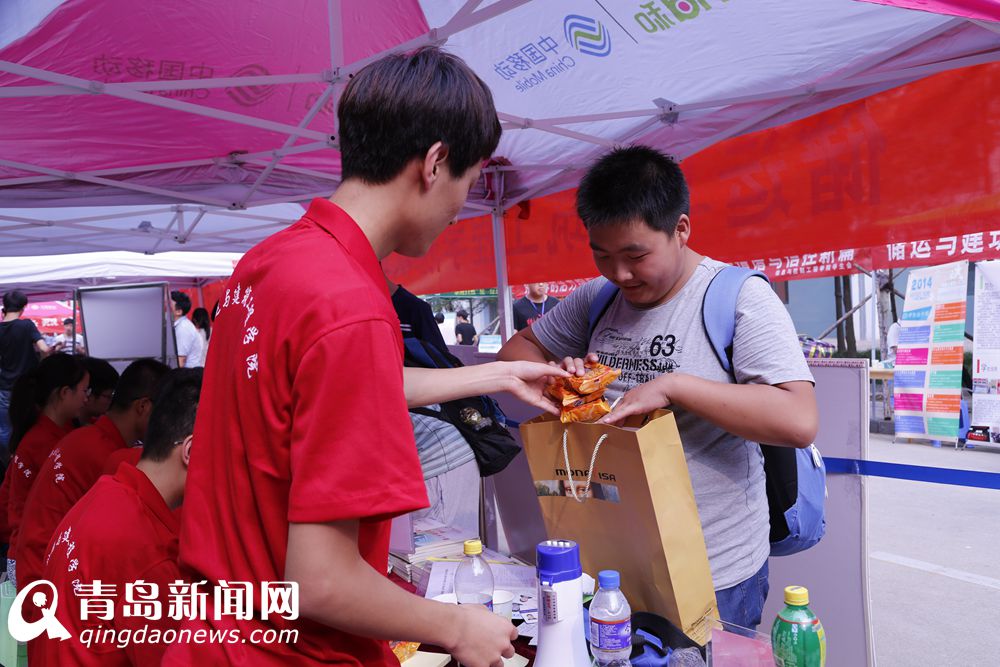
(140, 229)
(57, 275)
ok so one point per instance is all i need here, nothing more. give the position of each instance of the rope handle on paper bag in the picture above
(590, 470)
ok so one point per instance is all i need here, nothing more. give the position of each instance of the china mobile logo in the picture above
(587, 35)
(24, 631)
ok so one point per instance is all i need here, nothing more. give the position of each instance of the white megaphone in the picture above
(561, 638)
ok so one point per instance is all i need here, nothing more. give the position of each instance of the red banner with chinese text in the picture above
(907, 164)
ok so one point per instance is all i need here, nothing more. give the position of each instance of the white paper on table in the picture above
(514, 578)
(528, 630)
(524, 603)
(423, 659)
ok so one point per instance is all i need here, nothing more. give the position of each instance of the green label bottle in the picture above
(797, 635)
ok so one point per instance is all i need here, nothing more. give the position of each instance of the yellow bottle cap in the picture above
(797, 595)
(473, 547)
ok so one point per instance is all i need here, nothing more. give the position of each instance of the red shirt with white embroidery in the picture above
(69, 472)
(34, 448)
(121, 533)
(302, 419)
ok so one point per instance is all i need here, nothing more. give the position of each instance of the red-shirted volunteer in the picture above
(119, 543)
(306, 449)
(79, 459)
(43, 405)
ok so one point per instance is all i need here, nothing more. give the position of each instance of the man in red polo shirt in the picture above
(119, 544)
(309, 447)
(78, 460)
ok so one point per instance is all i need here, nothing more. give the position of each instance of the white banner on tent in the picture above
(986, 351)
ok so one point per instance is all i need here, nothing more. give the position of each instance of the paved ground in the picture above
(935, 561)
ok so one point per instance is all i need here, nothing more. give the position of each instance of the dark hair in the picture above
(181, 300)
(635, 183)
(396, 108)
(33, 390)
(439, 318)
(464, 314)
(215, 310)
(68, 320)
(201, 320)
(141, 379)
(174, 411)
(103, 375)
(14, 301)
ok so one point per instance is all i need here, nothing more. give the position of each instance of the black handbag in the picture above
(478, 418)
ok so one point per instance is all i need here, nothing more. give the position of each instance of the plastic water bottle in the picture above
(797, 635)
(474, 579)
(610, 622)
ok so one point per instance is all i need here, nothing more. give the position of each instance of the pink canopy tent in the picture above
(230, 105)
(48, 316)
(984, 10)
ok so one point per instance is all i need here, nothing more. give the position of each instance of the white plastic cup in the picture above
(503, 603)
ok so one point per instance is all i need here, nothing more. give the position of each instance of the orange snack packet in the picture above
(598, 377)
(568, 398)
(587, 412)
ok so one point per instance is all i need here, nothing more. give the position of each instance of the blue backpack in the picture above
(795, 478)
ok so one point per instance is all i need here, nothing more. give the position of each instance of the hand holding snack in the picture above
(577, 366)
(642, 400)
(582, 395)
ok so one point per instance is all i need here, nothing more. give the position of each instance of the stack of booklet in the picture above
(431, 539)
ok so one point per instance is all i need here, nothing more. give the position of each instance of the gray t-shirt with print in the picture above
(727, 471)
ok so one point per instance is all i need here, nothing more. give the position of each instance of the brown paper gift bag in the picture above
(625, 496)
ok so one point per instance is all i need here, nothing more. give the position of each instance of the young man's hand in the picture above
(577, 366)
(482, 637)
(641, 400)
(527, 381)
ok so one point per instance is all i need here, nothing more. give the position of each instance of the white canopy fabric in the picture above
(59, 274)
(141, 229)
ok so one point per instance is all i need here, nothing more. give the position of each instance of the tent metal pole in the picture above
(844, 317)
(202, 162)
(876, 336)
(101, 88)
(62, 90)
(304, 123)
(71, 176)
(500, 257)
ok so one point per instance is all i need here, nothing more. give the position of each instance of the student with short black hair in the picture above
(43, 405)
(309, 447)
(79, 458)
(635, 206)
(465, 332)
(103, 380)
(122, 531)
(69, 341)
(190, 345)
(20, 345)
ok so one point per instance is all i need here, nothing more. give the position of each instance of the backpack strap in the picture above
(718, 310)
(599, 306)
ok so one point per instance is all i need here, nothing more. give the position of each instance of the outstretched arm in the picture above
(782, 414)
